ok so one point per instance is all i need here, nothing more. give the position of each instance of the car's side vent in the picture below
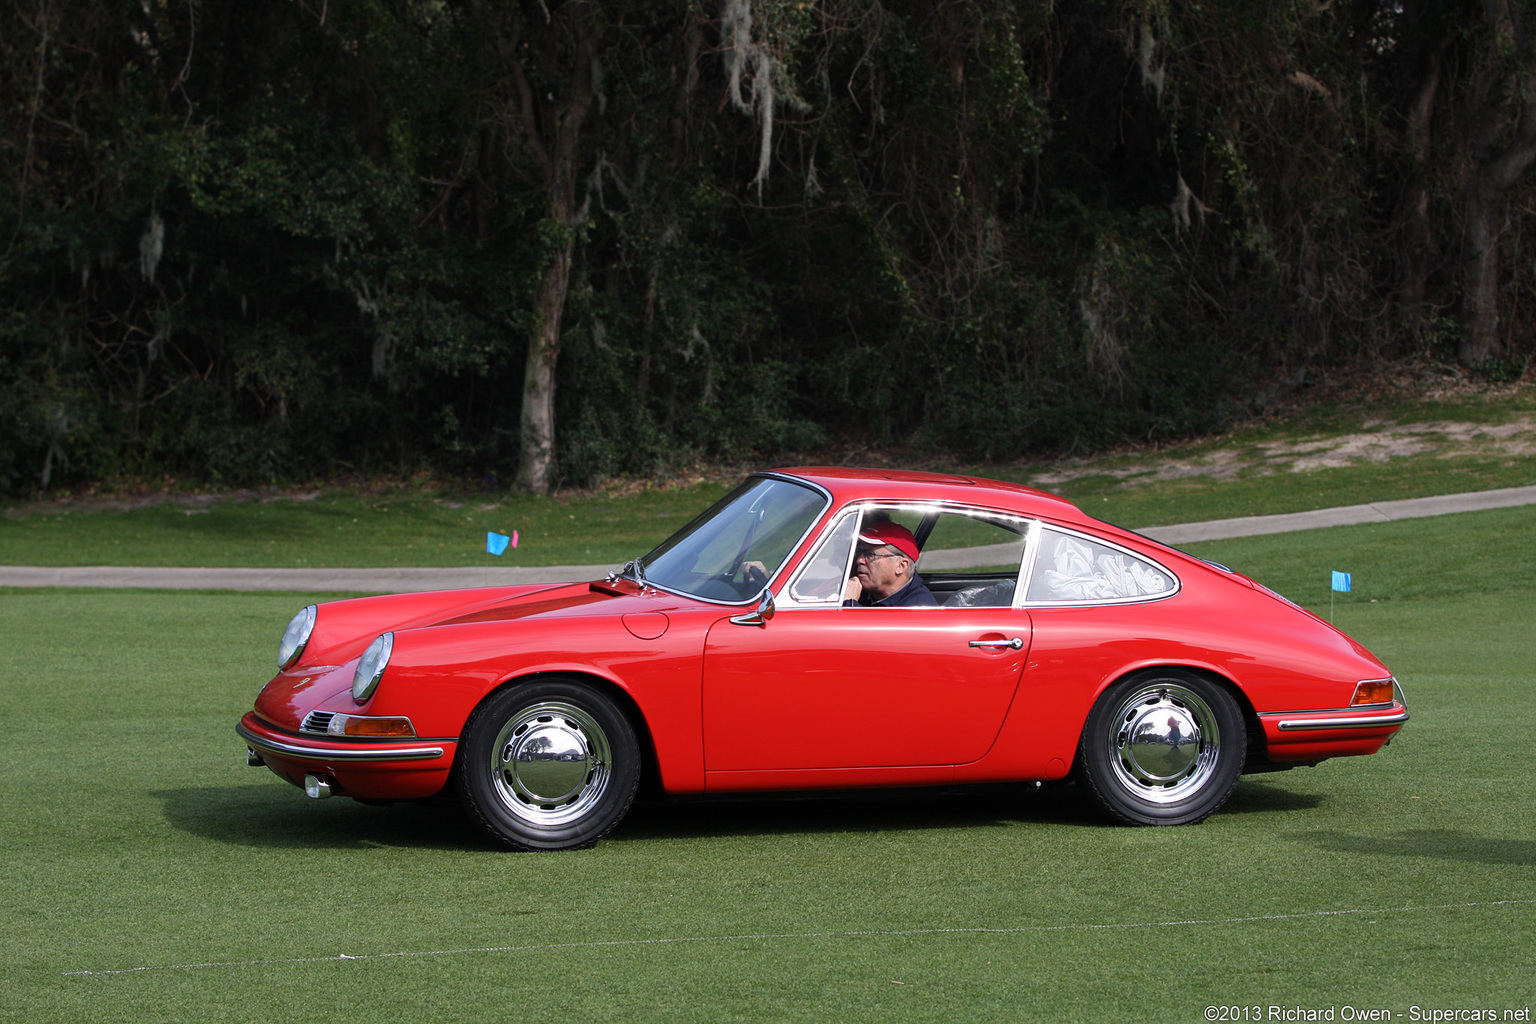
(317, 721)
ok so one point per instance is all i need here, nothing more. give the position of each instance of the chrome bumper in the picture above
(1354, 722)
(283, 748)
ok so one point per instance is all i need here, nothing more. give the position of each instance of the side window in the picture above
(826, 571)
(1070, 567)
(971, 560)
(968, 558)
(973, 542)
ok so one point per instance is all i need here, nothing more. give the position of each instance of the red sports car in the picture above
(825, 628)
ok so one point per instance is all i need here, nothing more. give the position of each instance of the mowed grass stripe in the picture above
(1058, 976)
(609, 943)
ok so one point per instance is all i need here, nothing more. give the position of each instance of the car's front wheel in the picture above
(1164, 747)
(551, 765)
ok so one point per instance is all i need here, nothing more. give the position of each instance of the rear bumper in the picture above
(1303, 736)
(1351, 721)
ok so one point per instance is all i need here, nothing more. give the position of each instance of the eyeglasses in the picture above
(869, 556)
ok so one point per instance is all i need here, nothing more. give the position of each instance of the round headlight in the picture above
(370, 668)
(295, 637)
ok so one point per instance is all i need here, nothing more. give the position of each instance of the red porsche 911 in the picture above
(825, 628)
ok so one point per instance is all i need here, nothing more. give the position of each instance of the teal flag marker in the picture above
(496, 543)
(1341, 581)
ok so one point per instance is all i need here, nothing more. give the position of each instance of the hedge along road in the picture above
(404, 580)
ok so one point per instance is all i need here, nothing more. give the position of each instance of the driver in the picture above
(884, 569)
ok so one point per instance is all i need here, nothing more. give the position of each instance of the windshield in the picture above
(731, 551)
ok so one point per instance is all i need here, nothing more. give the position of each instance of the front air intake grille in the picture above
(317, 722)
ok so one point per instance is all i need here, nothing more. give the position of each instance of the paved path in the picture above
(1346, 515)
(400, 580)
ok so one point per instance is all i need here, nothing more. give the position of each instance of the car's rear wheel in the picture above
(1164, 747)
(551, 765)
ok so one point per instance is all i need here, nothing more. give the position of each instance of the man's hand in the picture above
(854, 588)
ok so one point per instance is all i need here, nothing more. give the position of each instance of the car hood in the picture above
(557, 602)
(448, 625)
(344, 628)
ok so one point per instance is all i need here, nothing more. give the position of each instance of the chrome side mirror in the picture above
(760, 616)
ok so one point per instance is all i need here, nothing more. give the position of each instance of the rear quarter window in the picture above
(1073, 568)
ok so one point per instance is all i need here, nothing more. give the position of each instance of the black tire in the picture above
(552, 765)
(1163, 747)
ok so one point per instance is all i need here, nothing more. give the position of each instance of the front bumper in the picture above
(372, 769)
(352, 753)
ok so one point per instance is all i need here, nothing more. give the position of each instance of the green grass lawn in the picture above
(1163, 502)
(1263, 468)
(1467, 555)
(135, 840)
(417, 529)
(407, 528)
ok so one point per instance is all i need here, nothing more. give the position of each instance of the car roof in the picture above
(849, 484)
(895, 485)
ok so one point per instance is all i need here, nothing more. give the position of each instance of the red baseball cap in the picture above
(894, 534)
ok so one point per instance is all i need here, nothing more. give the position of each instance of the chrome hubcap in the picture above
(1164, 739)
(550, 763)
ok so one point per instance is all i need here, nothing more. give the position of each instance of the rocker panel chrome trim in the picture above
(360, 753)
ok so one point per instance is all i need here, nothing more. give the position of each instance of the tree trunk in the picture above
(537, 438)
(557, 146)
(1495, 171)
(1419, 251)
(1481, 340)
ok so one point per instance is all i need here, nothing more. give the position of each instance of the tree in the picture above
(1501, 122)
(551, 54)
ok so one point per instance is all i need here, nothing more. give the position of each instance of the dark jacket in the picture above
(915, 594)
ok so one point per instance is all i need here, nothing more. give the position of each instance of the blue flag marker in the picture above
(1341, 583)
(496, 543)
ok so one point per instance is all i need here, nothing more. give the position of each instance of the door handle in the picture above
(1017, 643)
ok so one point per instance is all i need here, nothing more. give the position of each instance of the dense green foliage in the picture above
(288, 239)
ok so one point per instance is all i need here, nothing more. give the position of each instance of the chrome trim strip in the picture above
(787, 599)
(1027, 565)
(335, 754)
(1358, 722)
(1379, 706)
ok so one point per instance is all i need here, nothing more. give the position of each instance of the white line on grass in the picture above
(599, 943)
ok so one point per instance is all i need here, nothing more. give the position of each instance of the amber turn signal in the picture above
(378, 728)
(1373, 691)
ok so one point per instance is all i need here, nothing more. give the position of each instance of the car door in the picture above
(822, 686)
